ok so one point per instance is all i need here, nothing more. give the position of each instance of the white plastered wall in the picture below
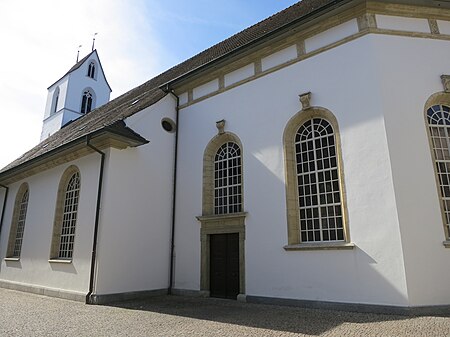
(33, 269)
(345, 81)
(135, 221)
(410, 70)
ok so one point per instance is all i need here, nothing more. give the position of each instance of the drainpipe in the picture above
(175, 165)
(3, 207)
(97, 217)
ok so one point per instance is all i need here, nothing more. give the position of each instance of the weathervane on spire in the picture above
(78, 52)
(93, 41)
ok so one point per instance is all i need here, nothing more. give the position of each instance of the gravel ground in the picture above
(23, 314)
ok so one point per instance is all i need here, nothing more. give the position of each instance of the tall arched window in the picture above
(66, 215)
(318, 182)
(314, 188)
(91, 70)
(438, 118)
(228, 179)
(86, 102)
(55, 100)
(18, 222)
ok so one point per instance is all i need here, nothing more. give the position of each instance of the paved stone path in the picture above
(23, 314)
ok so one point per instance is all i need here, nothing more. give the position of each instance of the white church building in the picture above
(304, 160)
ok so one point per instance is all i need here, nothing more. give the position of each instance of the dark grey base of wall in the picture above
(121, 297)
(439, 310)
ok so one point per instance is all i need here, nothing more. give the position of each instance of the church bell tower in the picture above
(82, 89)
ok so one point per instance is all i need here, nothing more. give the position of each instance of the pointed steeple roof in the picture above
(79, 64)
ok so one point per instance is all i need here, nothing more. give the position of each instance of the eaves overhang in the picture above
(117, 135)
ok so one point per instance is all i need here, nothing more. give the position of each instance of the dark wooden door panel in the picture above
(232, 265)
(224, 265)
(218, 258)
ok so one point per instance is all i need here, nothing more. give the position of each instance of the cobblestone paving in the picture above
(23, 314)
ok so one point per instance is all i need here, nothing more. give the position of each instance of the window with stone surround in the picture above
(222, 176)
(438, 120)
(314, 187)
(228, 179)
(18, 222)
(66, 215)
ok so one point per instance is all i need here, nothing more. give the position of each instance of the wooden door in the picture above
(224, 265)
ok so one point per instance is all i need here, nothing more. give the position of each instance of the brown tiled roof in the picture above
(149, 93)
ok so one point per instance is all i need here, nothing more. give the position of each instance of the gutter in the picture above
(3, 207)
(303, 19)
(175, 165)
(97, 218)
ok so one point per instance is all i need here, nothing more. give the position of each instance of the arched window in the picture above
(55, 100)
(228, 179)
(91, 70)
(66, 215)
(314, 188)
(318, 182)
(438, 118)
(18, 222)
(87, 102)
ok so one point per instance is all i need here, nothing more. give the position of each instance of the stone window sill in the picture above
(321, 246)
(221, 216)
(60, 261)
(446, 243)
(12, 259)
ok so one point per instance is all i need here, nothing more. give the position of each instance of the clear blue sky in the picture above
(188, 27)
(137, 39)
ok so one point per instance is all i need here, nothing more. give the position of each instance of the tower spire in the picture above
(78, 52)
(93, 41)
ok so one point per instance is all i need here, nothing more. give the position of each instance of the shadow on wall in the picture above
(271, 317)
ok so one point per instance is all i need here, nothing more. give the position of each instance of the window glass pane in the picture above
(20, 224)
(318, 183)
(228, 179)
(69, 217)
(439, 125)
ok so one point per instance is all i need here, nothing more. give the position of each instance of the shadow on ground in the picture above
(272, 317)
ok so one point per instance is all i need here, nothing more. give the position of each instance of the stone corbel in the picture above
(221, 126)
(366, 21)
(446, 82)
(305, 99)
